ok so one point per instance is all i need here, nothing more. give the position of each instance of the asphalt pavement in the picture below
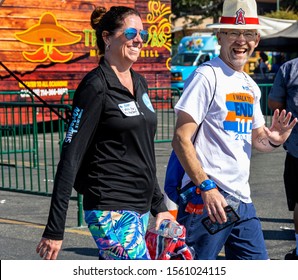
(23, 216)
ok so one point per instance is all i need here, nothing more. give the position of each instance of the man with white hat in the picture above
(222, 103)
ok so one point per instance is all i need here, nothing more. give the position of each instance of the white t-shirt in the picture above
(223, 144)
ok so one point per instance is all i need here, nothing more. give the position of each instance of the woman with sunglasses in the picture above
(108, 150)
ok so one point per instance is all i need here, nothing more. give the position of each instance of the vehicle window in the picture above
(203, 58)
(184, 59)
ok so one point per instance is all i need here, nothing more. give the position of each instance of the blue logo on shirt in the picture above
(147, 102)
(74, 125)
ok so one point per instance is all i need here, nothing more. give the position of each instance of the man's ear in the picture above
(218, 36)
(258, 38)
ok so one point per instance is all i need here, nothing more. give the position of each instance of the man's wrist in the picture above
(207, 185)
(273, 145)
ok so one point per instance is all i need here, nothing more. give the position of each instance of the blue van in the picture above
(192, 51)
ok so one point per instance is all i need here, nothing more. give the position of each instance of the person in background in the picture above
(262, 67)
(284, 95)
(225, 106)
(109, 147)
(279, 59)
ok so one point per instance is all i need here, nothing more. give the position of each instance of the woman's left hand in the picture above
(163, 216)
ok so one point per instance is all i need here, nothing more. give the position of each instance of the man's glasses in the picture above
(130, 33)
(233, 35)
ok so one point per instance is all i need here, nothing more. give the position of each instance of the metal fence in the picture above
(29, 150)
(31, 136)
(163, 100)
(265, 90)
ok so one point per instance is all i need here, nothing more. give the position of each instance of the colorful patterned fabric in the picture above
(164, 248)
(119, 235)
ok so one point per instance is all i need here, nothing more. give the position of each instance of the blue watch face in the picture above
(203, 185)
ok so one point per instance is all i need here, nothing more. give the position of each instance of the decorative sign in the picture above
(49, 35)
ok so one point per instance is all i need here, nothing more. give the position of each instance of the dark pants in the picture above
(242, 241)
(291, 180)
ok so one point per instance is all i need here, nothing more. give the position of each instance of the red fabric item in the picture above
(165, 248)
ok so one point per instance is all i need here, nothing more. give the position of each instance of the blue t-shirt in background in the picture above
(285, 90)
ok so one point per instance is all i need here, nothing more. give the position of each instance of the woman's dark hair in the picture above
(101, 20)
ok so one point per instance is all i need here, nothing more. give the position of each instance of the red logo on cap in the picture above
(240, 17)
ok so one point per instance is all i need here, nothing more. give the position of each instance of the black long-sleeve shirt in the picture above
(108, 150)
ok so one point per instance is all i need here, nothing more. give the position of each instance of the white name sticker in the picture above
(129, 109)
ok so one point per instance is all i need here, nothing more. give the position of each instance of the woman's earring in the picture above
(107, 47)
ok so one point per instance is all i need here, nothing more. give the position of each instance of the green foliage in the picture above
(282, 14)
(204, 8)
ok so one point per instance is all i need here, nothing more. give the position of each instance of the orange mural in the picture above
(50, 46)
(46, 43)
(48, 34)
(159, 30)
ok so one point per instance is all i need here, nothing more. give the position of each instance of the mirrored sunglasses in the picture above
(130, 33)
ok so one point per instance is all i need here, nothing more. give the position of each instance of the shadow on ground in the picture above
(83, 251)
